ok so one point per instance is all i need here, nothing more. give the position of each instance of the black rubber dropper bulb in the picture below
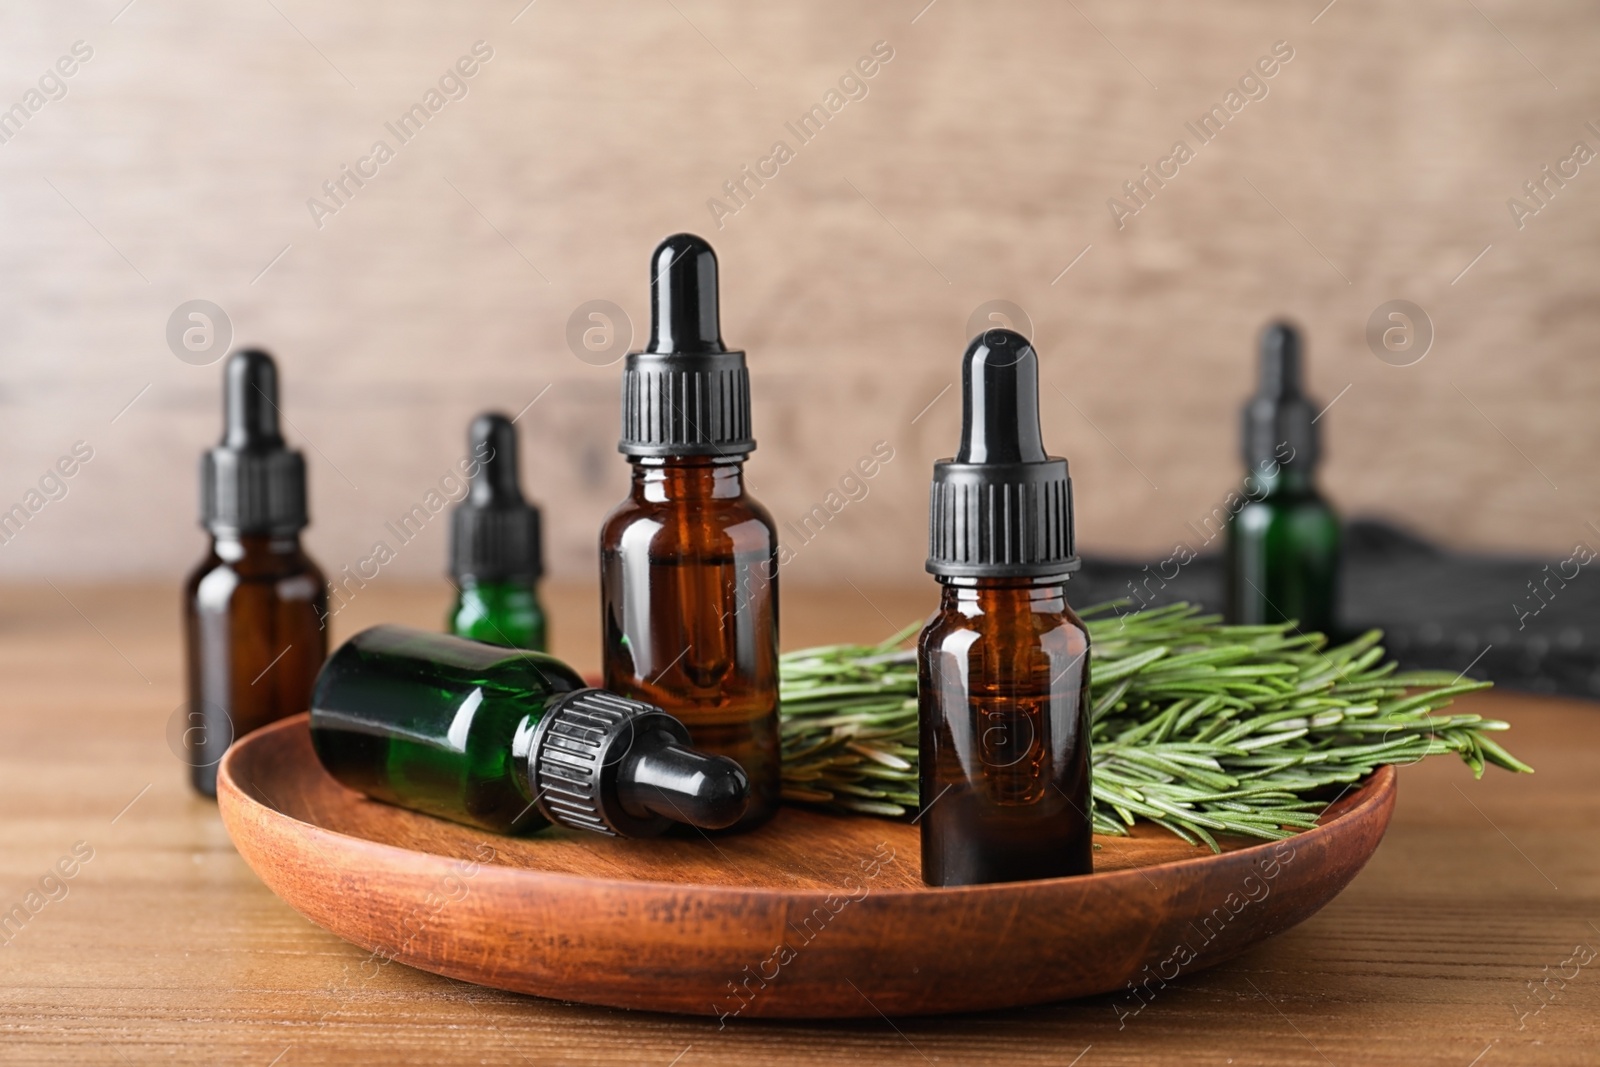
(1000, 401)
(497, 483)
(250, 390)
(1280, 361)
(664, 777)
(1279, 419)
(684, 316)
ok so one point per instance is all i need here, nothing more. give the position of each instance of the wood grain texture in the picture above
(812, 916)
(977, 167)
(169, 949)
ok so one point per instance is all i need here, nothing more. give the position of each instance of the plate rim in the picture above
(1374, 790)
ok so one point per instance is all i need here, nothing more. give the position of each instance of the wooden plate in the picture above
(811, 916)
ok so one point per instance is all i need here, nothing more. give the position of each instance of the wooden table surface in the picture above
(1472, 938)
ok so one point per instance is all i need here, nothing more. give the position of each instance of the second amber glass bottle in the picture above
(1003, 665)
(256, 606)
(689, 562)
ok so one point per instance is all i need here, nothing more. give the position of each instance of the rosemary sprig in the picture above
(1198, 727)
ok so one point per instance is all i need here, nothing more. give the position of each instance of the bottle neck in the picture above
(470, 585)
(688, 478)
(522, 769)
(232, 547)
(1278, 481)
(985, 595)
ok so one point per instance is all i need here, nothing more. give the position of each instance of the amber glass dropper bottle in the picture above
(254, 607)
(1283, 540)
(1003, 686)
(509, 741)
(688, 562)
(496, 558)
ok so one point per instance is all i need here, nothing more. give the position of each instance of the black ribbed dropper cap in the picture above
(685, 394)
(494, 532)
(616, 766)
(252, 482)
(1279, 417)
(1001, 508)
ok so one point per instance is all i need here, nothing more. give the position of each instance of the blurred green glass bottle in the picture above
(1283, 538)
(496, 558)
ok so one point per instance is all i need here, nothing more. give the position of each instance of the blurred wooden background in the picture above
(977, 167)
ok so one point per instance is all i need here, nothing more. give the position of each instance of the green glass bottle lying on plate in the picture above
(509, 741)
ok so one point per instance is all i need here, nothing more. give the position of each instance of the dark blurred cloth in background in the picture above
(1438, 609)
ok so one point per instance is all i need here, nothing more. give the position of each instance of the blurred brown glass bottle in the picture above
(255, 607)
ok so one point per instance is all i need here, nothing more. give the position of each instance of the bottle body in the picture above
(253, 622)
(437, 724)
(1003, 706)
(1283, 555)
(504, 613)
(689, 591)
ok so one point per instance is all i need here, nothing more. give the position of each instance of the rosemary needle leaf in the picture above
(1197, 727)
